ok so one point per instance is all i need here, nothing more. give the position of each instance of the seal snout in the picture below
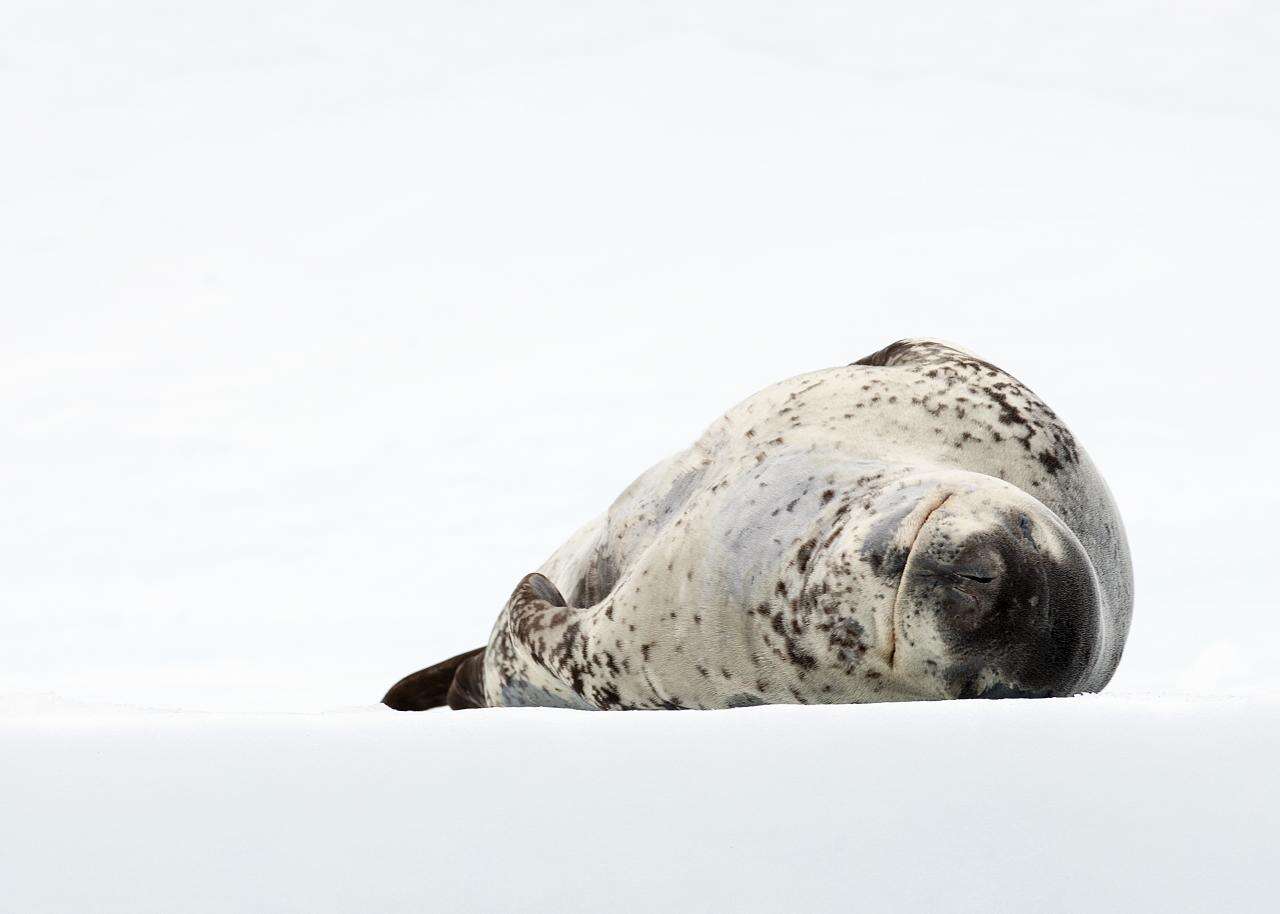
(1003, 596)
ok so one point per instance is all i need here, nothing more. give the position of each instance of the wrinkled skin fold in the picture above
(915, 525)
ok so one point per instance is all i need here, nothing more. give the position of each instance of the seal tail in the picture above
(457, 682)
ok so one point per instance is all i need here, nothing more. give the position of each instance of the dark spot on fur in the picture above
(1050, 462)
(606, 695)
(802, 557)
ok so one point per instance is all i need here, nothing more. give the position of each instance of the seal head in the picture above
(998, 599)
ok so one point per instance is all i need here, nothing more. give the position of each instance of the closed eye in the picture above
(980, 578)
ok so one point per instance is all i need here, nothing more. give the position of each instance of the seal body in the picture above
(917, 524)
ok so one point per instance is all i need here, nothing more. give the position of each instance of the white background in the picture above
(322, 323)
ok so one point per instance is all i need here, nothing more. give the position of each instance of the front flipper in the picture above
(918, 351)
(541, 652)
(535, 588)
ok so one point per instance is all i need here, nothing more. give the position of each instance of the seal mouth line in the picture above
(895, 615)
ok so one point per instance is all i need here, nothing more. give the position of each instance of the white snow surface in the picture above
(1104, 803)
(324, 323)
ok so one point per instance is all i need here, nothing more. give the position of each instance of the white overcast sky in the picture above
(323, 324)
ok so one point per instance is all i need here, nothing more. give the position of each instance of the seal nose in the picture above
(1015, 602)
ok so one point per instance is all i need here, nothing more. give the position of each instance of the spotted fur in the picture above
(918, 524)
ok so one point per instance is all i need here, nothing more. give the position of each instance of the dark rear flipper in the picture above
(457, 682)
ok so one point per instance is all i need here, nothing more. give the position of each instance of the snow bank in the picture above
(1106, 803)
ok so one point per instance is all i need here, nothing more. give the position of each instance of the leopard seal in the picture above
(915, 525)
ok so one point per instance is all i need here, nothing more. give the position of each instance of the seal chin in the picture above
(998, 599)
